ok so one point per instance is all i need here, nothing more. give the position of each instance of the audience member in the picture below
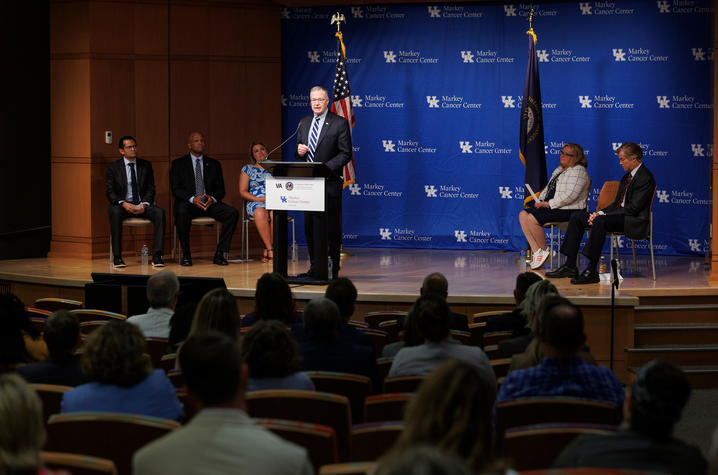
(181, 324)
(411, 335)
(162, 291)
(521, 337)
(122, 378)
(22, 428)
(452, 412)
(62, 335)
(322, 351)
(217, 311)
(221, 438)
(19, 341)
(433, 318)
(436, 283)
(652, 408)
(273, 300)
(514, 320)
(273, 358)
(562, 372)
(424, 459)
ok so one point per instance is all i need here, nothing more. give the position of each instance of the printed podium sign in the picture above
(295, 194)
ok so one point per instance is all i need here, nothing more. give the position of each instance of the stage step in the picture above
(698, 313)
(681, 355)
(701, 377)
(676, 334)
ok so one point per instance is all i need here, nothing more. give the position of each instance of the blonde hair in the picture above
(22, 429)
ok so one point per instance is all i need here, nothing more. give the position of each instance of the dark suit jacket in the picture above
(182, 178)
(116, 181)
(638, 203)
(65, 371)
(334, 146)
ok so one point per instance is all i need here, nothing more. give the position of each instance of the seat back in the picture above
(37, 312)
(319, 440)
(402, 384)
(53, 304)
(168, 362)
(379, 338)
(39, 323)
(608, 193)
(156, 348)
(355, 387)
(106, 435)
(176, 378)
(383, 365)
(90, 326)
(391, 327)
(477, 333)
(373, 319)
(371, 441)
(354, 468)
(191, 406)
(306, 406)
(78, 464)
(484, 316)
(386, 407)
(461, 336)
(493, 338)
(51, 397)
(500, 366)
(87, 314)
(536, 447)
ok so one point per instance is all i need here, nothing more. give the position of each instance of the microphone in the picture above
(614, 269)
(282, 144)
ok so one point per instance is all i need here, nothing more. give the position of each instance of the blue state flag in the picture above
(531, 141)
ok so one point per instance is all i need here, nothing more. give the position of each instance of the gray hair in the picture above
(534, 295)
(22, 429)
(319, 88)
(162, 288)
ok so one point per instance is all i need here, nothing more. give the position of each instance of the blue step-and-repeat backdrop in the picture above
(437, 95)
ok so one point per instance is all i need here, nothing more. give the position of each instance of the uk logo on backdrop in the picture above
(663, 102)
(460, 235)
(586, 102)
(385, 234)
(505, 192)
(467, 56)
(357, 12)
(388, 145)
(510, 10)
(313, 56)
(695, 245)
(355, 189)
(390, 56)
(662, 196)
(466, 146)
(356, 101)
(542, 55)
(509, 102)
(433, 102)
(619, 54)
(615, 145)
(585, 8)
(699, 150)
(430, 191)
(663, 6)
(701, 55)
(434, 12)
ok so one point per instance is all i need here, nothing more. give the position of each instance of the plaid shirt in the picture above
(568, 376)
(571, 190)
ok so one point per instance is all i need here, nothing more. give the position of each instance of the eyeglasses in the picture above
(130, 146)
(318, 100)
(567, 154)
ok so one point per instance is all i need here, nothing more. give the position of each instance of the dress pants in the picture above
(153, 213)
(576, 227)
(225, 214)
(334, 231)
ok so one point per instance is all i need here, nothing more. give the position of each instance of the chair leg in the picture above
(550, 255)
(653, 260)
(294, 244)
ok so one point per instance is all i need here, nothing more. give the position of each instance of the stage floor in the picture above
(395, 275)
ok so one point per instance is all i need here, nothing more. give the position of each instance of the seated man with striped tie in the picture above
(325, 137)
(130, 187)
(628, 213)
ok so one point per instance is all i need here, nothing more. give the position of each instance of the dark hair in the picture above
(212, 367)
(435, 283)
(659, 394)
(13, 322)
(342, 292)
(121, 142)
(251, 148)
(425, 459)
(321, 319)
(62, 330)
(217, 311)
(632, 150)
(269, 350)
(523, 282)
(115, 354)
(413, 336)
(273, 298)
(433, 316)
(560, 323)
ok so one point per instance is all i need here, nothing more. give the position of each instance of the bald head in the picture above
(196, 143)
(435, 283)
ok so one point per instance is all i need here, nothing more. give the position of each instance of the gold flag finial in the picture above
(531, 26)
(338, 18)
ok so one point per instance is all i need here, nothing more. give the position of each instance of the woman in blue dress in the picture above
(252, 190)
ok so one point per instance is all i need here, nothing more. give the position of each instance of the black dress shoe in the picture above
(220, 260)
(306, 275)
(563, 271)
(186, 261)
(118, 263)
(588, 276)
(157, 261)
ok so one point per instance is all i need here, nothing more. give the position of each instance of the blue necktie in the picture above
(133, 184)
(313, 140)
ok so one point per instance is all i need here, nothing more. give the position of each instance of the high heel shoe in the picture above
(267, 257)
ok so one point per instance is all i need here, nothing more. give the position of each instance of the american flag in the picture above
(342, 102)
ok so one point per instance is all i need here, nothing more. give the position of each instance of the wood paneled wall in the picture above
(156, 71)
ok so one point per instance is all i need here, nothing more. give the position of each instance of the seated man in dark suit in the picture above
(629, 213)
(62, 335)
(651, 409)
(130, 187)
(198, 187)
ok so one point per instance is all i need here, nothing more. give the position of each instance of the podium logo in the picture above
(619, 54)
(355, 189)
(466, 146)
(385, 234)
(313, 56)
(542, 55)
(460, 235)
(356, 101)
(283, 198)
(662, 196)
(390, 56)
(510, 10)
(585, 102)
(434, 12)
(430, 191)
(433, 102)
(663, 6)
(388, 145)
(467, 56)
(585, 8)
(505, 192)
(509, 102)
(663, 102)
(289, 186)
(357, 12)
(695, 245)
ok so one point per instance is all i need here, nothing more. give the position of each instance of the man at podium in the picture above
(325, 137)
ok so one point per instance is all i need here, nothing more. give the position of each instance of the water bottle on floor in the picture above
(145, 255)
(602, 267)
